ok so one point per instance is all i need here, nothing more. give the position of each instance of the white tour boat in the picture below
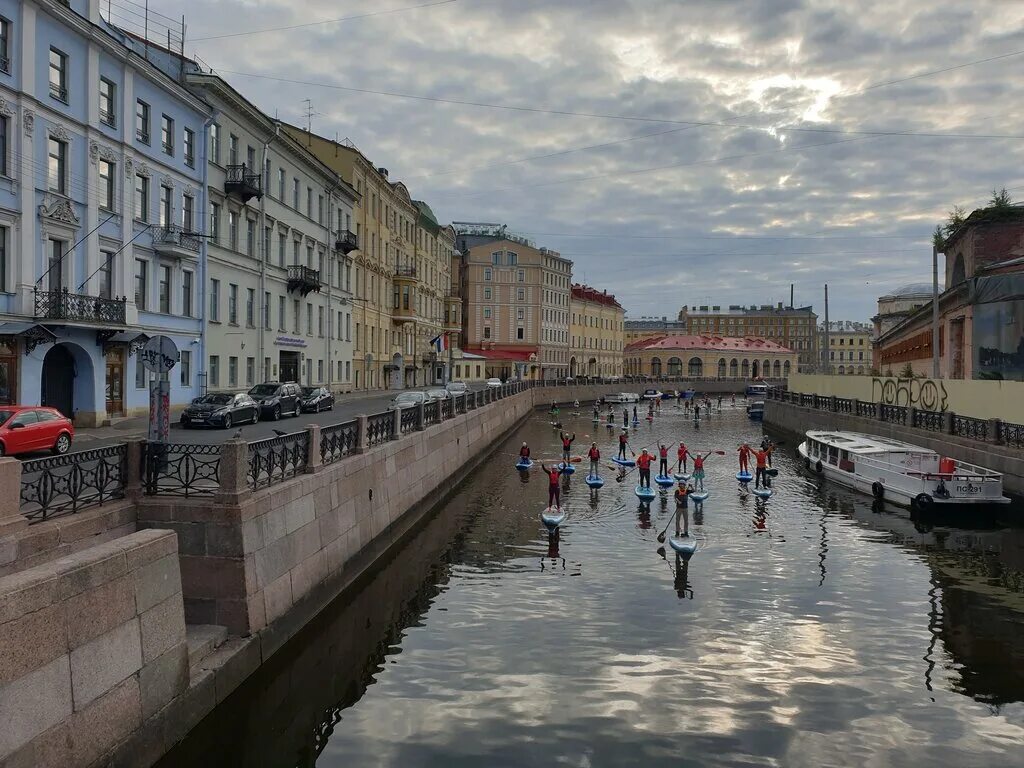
(899, 472)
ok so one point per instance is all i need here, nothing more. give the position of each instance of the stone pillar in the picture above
(134, 470)
(397, 414)
(361, 436)
(832, 403)
(11, 519)
(995, 431)
(878, 411)
(911, 415)
(314, 461)
(234, 472)
(814, 401)
(421, 416)
(947, 422)
(855, 406)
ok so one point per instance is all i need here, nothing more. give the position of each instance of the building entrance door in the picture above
(115, 381)
(58, 385)
(288, 366)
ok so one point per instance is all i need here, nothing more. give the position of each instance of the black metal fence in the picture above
(965, 426)
(277, 459)
(410, 420)
(64, 485)
(431, 413)
(180, 469)
(338, 441)
(380, 428)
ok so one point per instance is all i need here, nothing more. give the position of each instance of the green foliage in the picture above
(956, 217)
(907, 372)
(1000, 200)
(938, 239)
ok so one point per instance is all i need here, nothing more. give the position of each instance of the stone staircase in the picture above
(203, 639)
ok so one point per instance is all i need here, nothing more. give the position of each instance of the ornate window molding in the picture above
(29, 119)
(58, 131)
(97, 151)
(6, 108)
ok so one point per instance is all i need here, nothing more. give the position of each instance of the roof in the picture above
(911, 289)
(861, 443)
(516, 354)
(709, 343)
(586, 293)
(1011, 214)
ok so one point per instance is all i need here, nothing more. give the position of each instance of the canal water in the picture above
(809, 630)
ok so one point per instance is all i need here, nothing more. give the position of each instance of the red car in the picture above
(27, 428)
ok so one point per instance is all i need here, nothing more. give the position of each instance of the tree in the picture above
(937, 239)
(954, 219)
(1000, 200)
(907, 371)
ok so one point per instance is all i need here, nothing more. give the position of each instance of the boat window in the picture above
(833, 455)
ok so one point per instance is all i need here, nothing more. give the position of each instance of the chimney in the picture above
(383, 171)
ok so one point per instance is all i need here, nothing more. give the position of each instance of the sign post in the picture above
(159, 355)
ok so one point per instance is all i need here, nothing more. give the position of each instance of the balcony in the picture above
(176, 242)
(345, 241)
(243, 182)
(75, 307)
(405, 272)
(303, 279)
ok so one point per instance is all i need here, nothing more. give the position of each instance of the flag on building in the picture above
(440, 342)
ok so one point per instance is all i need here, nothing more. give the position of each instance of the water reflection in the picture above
(811, 628)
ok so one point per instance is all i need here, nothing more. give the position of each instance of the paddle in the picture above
(661, 536)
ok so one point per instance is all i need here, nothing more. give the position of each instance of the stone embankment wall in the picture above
(1009, 461)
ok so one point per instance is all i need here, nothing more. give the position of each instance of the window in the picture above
(250, 157)
(106, 272)
(309, 319)
(295, 316)
(141, 374)
(214, 143)
(232, 371)
(519, 333)
(521, 295)
(166, 206)
(232, 149)
(214, 300)
(496, 258)
(250, 237)
(280, 313)
(487, 294)
(107, 176)
(233, 230)
(487, 331)
(520, 314)
(141, 198)
(487, 313)
(232, 303)
(185, 366)
(58, 156)
(250, 307)
(186, 294)
(266, 310)
(266, 244)
(214, 370)
(513, 258)
(165, 289)
(295, 194)
(319, 370)
(188, 205)
(189, 147)
(250, 370)
(282, 246)
(320, 208)
(214, 222)
(167, 134)
(280, 184)
(309, 202)
(487, 274)
(55, 265)
(59, 75)
(521, 276)
(140, 283)
(142, 121)
(5, 46)
(320, 321)
(108, 102)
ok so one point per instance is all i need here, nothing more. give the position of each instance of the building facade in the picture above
(849, 345)
(101, 166)
(712, 356)
(280, 271)
(649, 327)
(516, 308)
(596, 333)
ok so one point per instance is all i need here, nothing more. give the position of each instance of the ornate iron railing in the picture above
(338, 440)
(1013, 434)
(866, 409)
(179, 469)
(409, 419)
(177, 237)
(930, 420)
(276, 459)
(64, 305)
(461, 404)
(965, 426)
(844, 405)
(894, 414)
(807, 400)
(431, 413)
(64, 485)
(446, 408)
(379, 428)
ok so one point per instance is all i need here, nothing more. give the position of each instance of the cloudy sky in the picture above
(759, 150)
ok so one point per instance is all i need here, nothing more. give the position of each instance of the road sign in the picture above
(159, 355)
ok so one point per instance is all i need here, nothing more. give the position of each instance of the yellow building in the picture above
(849, 348)
(710, 356)
(596, 333)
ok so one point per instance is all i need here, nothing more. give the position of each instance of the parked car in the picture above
(457, 387)
(494, 383)
(439, 394)
(277, 399)
(316, 399)
(409, 399)
(220, 409)
(25, 428)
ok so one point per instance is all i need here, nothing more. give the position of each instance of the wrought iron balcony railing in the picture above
(243, 181)
(64, 305)
(405, 270)
(175, 238)
(303, 279)
(345, 241)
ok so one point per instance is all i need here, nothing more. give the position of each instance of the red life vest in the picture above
(594, 453)
(762, 457)
(553, 475)
(623, 439)
(698, 462)
(566, 443)
(683, 450)
(644, 460)
(663, 452)
(524, 452)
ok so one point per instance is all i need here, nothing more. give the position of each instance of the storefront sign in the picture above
(289, 341)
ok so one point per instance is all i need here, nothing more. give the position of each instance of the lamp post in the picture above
(935, 311)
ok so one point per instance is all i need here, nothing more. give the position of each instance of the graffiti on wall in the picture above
(926, 394)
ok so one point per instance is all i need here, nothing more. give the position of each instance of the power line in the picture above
(326, 21)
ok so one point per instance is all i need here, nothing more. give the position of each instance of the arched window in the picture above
(766, 369)
(785, 369)
(842, 369)
(777, 369)
(696, 366)
(860, 370)
(745, 368)
(675, 366)
(755, 369)
(655, 366)
(721, 368)
(734, 368)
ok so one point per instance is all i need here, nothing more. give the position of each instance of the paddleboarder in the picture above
(595, 456)
(762, 465)
(623, 444)
(681, 455)
(625, 418)
(566, 446)
(634, 414)
(682, 496)
(698, 468)
(554, 492)
(524, 453)
(744, 451)
(643, 463)
(663, 460)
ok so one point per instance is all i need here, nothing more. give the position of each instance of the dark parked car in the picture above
(277, 400)
(220, 409)
(24, 429)
(316, 399)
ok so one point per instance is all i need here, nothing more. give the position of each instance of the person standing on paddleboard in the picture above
(567, 446)
(524, 453)
(698, 468)
(595, 456)
(681, 455)
(643, 463)
(663, 461)
(744, 451)
(762, 464)
(625, 418)
(682, 496)
(554, 492)
(623, 444)
(634, 414)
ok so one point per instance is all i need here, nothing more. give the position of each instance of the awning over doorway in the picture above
(135, 340)
(33, 334)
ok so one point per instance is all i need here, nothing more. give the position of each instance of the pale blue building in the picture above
(102, 162)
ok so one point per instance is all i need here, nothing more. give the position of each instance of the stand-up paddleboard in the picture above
(681, 477)
(595, 481)
(744, 477)
(664, 481)
(684, 545)
(522, 466)
(763, 493)
(644, 493)
(624, 462)
(552, 518)
(610, 425)
(566, 469)
(636, 422)
(699, 496)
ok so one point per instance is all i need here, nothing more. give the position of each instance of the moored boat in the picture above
(899, 472)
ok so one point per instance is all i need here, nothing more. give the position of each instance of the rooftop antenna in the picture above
(309, 115)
